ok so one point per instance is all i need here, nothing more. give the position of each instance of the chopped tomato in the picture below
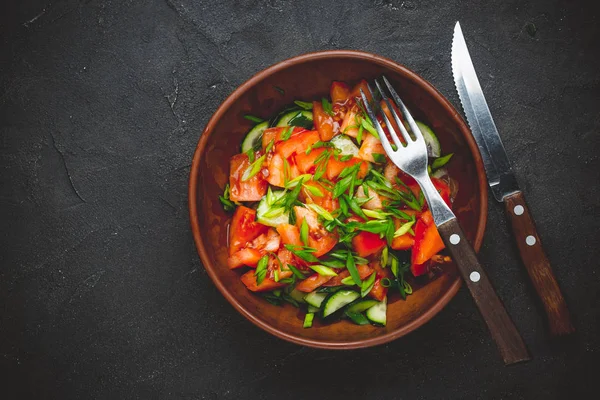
(403, 242)
(350, 124)
(391, 172)
(277, 171)
(375, 202)
(378, 292)
(395, 127)
(335, 167)
(323, 122)
(274, 134)
(249, 279)
(248, 257)
(244, 228)
(355, 92)
(427, 240)
(339, 92)
(318, 237)
(363, 271)
(297, 143)
(439, 184)
(420, 269)
(312, 282)
(367, 243)
(267, 242)
(289, 234)
(252, 189)
(306, 162)
(370, 145)
(326, 199)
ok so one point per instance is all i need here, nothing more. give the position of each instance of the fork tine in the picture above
(384, 140)
(393, 133)
(411, 122)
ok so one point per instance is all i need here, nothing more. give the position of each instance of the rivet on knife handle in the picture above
(537, 265)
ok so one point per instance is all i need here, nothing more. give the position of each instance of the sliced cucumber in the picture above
(378, 313)
(297, 295)
(303, 118)
(362, 305)
(434, 149)
(315, 299)
(313, 309)
(337, 300)
(267, 215)
(253, 139)
(345, 145)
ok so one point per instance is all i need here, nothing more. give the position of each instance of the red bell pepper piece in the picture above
(367, 243)
(427, 242)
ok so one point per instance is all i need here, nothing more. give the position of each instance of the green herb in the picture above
(404, 228)
(287, 172)
(250, 154)
(359, 135)
(367, 285)
(300, 179)
(253, 118)
(327, 106)
(368, 125)
(347, 157)
(321, 211)
(348, 179)
(379, 158)
(308, 320)
(441, 161)
(341, 254)
(333, 263)
(349, 281)
(271, 298)
(301, 121)
(276, 275)
(329, 289)
(296, 272)
(322, 270)
(292, 217)
(304, 232)
(321, 163)
(394, 266)
(280, 90)
(313, 190)
(357, 318)
(351, 266)
(261, 269)
(228, 205)
(303, 104)
(353, 203)
(304, 252)
(384, 257)
(287, 133)
(253, 168)
(375, 214)
(343, 206)
(274, 212)
(389, 233)
(385, 282)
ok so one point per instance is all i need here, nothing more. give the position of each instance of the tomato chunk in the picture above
(244, 257)
(306, 162)
(335, 167)
(363, 270)
(297, 143)
(370, 145)
(367, 243)
(289, 234)
(318, 237)
(274, 134)
(378, 292)
(312, 282)
(427, 240)
(355, 92)
(339, 92)
(244, 229)
(311, 195)
(419, 269)
(323, 122)
(249, 279)
(350, 123)
(252, 189)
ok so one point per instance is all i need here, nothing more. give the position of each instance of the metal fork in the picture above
(411, 158)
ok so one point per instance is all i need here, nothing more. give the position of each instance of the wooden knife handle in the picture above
(501, 327)
(537, 265)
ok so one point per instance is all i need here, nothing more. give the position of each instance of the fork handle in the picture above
(537, 265)
(503, 330)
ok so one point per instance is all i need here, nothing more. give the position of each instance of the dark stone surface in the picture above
(102, 293)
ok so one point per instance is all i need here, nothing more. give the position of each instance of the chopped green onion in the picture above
(287, 133)
(322, 270)
(261, 269)
(269, 146)
(359, 135)
(303, 104)
(385, 282)
(394, 266)
(375, 213)
(296, 272)
(357, 318)
(384, 256)
(353, 203)
(404, 228)
(308, 320)
(441, 161)
(368, 125)
(274, 212)
(321, 211)
(250, 154)
(379, 158)
(228, 205)
(367, 285)
(304, 232)
(351, 266)
(304, 252)
(313, 190)
(276, 275)
(347, 157)
(298, 180)
(407, 288)
(327, 106)
(253, 168)
(253, 118)
(348, 281)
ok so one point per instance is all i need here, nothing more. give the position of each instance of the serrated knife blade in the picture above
(497, 167)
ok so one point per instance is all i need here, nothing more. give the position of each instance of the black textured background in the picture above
(102, 294)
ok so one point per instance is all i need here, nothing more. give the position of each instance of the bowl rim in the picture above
(193, 186)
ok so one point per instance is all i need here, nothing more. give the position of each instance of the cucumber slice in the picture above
(303, 118)
(253, 139)
(362, 305)
(345, 145)
(337, 300)
(297, 295)
(434, 149)
(266, 215)
(315, 299)
(313, 309)
(378, 313)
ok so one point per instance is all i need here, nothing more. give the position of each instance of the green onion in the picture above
(407, 288)
(322, 270)
(313, 190)
(385, 282)
(367, 285)
(375, 213)
(304, 232)
(321, 211)
(404, 228)
(353, 203)
(253, 118)
(343, 206)
(348, 281)
(228, 205)
(347, 157)
(274, 212)
(357, 318)
(269, 146)
(379, 158)
(368, 125)
(384, 256)
(308, 320)
(304, 252)
(298, 180)
(250, 154)
(441, 161)
(360, 134)
(253, 168)
(327, 106)
(394, 266)
(276, 275)
(287, 133)
(280, 90)
(296, 272)
(333, 263)
(351, 266)
(261, 269)
(303, 104)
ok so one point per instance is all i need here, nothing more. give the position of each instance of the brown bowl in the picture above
(308, 77)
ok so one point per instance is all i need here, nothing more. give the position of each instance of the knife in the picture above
(504, 186)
